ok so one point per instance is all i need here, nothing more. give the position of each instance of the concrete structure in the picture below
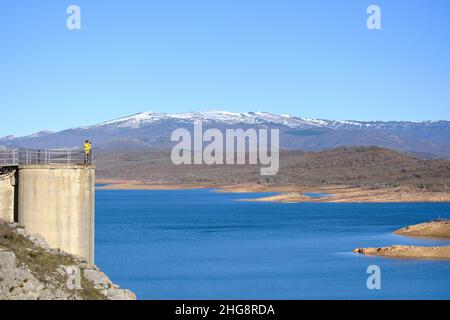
(8, 194)
(50, 192)
(57, 202)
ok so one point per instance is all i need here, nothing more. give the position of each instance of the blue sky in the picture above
(314, 59)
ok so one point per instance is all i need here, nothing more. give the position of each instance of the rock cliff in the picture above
(31, 270)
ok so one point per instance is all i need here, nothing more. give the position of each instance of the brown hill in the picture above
(371, 167)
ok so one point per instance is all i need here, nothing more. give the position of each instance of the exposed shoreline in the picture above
(291, 193)
(408, 252)
(113, 184)
(433, 230)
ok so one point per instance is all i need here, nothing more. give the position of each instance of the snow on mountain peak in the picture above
(134, 120)
(257, 117)
(40, 134)
(254, 117)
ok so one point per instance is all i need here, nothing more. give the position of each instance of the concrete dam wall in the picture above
(8, 199)
(55, 201)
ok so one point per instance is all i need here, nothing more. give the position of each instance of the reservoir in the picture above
(200, 244)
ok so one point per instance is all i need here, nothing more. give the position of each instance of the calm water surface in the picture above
(199, 244)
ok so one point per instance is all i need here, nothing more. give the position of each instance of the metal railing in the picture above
(14, 157)
(8, 157)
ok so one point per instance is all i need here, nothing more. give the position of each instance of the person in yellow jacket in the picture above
(87, 151)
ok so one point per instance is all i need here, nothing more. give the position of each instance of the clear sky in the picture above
(309, 58)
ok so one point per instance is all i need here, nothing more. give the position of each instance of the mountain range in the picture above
(152, 130)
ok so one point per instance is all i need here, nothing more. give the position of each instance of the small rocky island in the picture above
(433, 229)
(31, 270)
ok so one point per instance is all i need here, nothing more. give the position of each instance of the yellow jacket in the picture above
(87, 148)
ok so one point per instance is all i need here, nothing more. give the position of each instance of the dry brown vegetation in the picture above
(367, 167)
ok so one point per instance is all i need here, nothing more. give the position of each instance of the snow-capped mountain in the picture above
(233, 118)
(224, 117)
(149, 130)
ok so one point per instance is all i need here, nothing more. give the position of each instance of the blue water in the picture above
(199, 244)
(317, 194)
(101, 185)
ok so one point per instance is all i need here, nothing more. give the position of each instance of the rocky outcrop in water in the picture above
(31, 270)
(433, 229)
(408, 252)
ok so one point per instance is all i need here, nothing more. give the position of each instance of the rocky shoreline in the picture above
(411, 252)
(293, 193)
(31, 270)
(433, 229)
